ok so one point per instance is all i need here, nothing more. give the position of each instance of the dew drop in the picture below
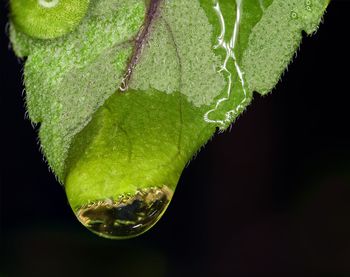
(129, 216)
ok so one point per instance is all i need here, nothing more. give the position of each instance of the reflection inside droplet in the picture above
(127, 217)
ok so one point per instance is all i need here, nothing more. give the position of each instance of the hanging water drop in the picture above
(127, 217)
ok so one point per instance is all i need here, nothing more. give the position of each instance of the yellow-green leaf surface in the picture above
(128, 96)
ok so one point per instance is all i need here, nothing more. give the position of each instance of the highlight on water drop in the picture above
(48, 3)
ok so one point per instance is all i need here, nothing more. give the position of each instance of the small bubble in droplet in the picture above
(127, 217)
(308, 3)
(294, 15)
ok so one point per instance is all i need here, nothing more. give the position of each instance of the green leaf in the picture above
(68, 78)
(127, 98)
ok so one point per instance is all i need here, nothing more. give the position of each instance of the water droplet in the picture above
(129, 216)
(294, 15)
(308, 8)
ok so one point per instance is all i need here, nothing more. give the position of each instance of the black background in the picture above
(269, 198)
